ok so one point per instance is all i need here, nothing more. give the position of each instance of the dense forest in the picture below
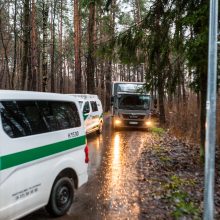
(81, 46)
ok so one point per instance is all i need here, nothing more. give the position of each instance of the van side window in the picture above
(66, 115)
(94, 106)
(86, 108)
(24, 118)
(47, 113)
(12, 120)
(73, 115)
(33, 115)
(20, 118)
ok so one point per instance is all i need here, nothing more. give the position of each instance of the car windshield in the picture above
(134, 102)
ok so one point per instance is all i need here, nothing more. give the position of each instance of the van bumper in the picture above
(82, 178)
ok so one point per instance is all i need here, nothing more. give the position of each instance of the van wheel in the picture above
(100, 128)
(61, 197)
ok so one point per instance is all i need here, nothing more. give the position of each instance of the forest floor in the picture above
(172, 179)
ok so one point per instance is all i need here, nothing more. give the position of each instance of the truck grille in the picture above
(132, 116)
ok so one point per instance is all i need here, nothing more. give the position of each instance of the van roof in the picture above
(30, 95)
(85, 96)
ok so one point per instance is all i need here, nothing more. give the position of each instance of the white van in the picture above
(91, 108)
(43, 152)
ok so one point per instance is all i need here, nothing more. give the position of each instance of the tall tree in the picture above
(45, 43)
(77, 47)
(12, 84)
(158, 22)
(5, 44)
(197, 54)
(53, 47)
(26, 43)
(137, 11)
(61, 77)
(33, 84)
(90, 68)
(109, 61)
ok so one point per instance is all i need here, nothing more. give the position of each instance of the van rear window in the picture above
(24, 118)
(94, 106)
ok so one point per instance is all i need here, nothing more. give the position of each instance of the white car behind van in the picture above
(43, 152)
(92, 111)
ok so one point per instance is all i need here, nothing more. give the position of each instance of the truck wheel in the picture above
(61, 197)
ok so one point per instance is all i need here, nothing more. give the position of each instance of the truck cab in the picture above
(131, 105)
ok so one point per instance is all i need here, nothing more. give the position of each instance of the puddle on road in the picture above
(119, 194)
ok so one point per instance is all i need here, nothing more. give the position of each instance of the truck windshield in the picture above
(134, 102)
(128, 87)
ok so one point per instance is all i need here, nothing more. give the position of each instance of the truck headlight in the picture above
(117, 121)
(148, 123)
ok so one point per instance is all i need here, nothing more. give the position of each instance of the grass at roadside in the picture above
(182, 202)
(173, 177)
(157, 130)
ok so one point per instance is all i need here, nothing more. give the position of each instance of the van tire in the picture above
(61, 197)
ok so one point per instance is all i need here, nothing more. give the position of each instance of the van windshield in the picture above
(134, 102)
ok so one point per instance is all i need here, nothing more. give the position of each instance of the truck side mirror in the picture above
(155, 103)
(112, 100)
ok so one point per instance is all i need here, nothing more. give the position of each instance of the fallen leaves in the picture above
(171, 180)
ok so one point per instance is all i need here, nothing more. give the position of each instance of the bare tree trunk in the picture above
(129, 73)
(108, 85)
(142, 72)
(64, 74)
(52, 74)
(68, 82)
(33, 48)
(26, 42)
(102, 79)
(138, 11)
(90, 68)
(7, 81)
(77, 46)
(109, 69)
(15, 48)
(44, 55)
(161, 100)
(61, 78)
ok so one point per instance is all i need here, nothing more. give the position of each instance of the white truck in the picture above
(131, 105)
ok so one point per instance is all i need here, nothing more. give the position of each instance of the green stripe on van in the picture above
(85, 116)
(22, 157)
